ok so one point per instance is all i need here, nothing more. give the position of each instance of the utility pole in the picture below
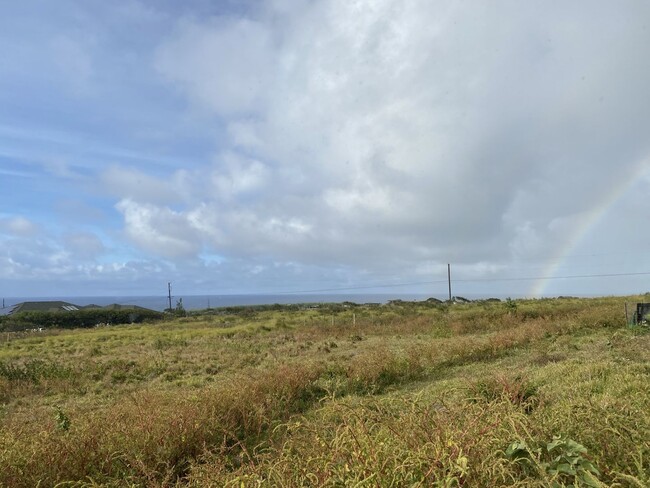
(449, 279)
(169, 291)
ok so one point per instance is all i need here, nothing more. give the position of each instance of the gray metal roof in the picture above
(60, 306)
(54, 306)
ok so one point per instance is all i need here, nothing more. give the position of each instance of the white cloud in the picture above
(83, 246)
(133, 184)
(526, 241)
(19, 226)
(238, 176)
(244, 133)
(224, 63)
(431, 129)
(160, 231)
(347, 200)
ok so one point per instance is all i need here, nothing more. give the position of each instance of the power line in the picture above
(467, 280)
(534, 278)
(364, 287)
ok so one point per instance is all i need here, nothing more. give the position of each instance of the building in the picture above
(54, 306)
(59, 306)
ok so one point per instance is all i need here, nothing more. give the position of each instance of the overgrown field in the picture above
(524, 393)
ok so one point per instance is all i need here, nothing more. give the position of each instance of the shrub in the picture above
(77, 318)
(518, 391)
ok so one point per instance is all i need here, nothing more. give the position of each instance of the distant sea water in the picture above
(198, 302)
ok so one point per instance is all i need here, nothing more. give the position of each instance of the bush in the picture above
(76, 319)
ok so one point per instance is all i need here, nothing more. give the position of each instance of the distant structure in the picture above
(59, 306)
(55, 306)
(642, 313)
(117, 306)
(460, 300)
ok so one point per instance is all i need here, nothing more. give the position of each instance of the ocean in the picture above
(198, 302)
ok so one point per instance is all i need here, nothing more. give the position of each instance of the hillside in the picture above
(546, 392)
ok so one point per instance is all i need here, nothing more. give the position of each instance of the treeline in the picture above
(275, 307)
(75, 319)
(323, 307)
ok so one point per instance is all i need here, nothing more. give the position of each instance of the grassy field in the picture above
(523, 393)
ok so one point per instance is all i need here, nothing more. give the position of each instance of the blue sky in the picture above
(273, 146)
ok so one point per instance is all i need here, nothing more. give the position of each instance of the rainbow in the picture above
(592, 219)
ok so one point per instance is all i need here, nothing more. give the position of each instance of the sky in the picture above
(280, 146)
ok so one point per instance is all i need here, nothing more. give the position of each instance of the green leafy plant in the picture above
(562, 459)
(179, 310)
(62, 420)
(511, 305)
(568, 462)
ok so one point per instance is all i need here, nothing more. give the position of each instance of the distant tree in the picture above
(180, 311)
(511, 305)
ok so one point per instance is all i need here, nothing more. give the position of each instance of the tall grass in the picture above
(430, 397)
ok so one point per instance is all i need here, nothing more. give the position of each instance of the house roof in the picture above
(54, 306)
(59, 306)
(117, 306)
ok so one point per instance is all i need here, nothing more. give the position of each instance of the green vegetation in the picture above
(76, 319)
(520, 393)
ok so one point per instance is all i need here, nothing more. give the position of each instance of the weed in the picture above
(563, 460)
(511, 305)
(34, 371)
(518, 391)
(62, 420)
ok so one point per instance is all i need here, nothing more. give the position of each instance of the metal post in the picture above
(169, 290)
(449, 279)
